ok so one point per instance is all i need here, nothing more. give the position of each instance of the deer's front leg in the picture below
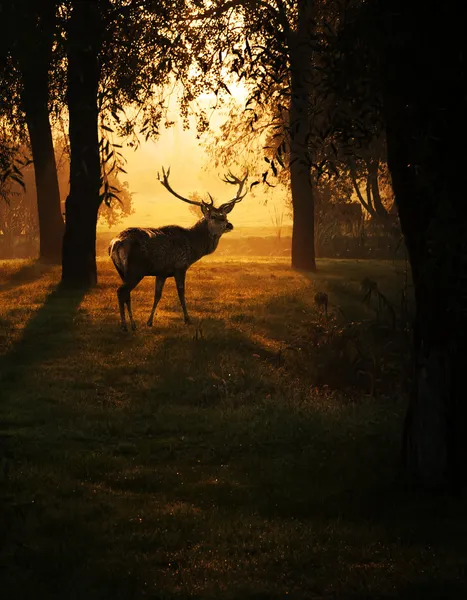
(180, 282)
(160, 281)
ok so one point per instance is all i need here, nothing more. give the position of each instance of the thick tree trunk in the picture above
(303, 231)
(79, 267)
(81, 210)
(51, 226)
(35, 65)
(425, 116)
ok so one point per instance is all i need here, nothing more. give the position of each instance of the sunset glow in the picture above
(191, 172)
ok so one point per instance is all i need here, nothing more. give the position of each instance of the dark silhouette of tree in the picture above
(85, 31)
(28, 30)
(424, 82)
(417, 60)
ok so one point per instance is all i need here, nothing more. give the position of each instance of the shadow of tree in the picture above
(45, 336)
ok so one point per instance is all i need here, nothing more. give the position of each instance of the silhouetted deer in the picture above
(169, 251)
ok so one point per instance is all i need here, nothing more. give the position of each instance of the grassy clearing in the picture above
(245, 457)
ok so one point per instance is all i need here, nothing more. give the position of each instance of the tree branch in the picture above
(217, 11)
(282, 15)
(367, 207)
(378, 204)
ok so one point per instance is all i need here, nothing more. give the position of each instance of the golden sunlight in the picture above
(191, 172)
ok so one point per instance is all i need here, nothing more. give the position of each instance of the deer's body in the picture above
(162, 251)
(166, 252)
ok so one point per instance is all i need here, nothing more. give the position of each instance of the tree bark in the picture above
(35, 56)
(425, 115)
(51, 226)
(79, 267)
(303, 230)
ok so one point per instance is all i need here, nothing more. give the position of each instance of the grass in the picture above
(243, 457)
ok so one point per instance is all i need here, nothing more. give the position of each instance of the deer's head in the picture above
(216, 217)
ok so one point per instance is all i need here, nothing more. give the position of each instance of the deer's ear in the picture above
(204, 210)
(227, 209)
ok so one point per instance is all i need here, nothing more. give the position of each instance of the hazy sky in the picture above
(190, 173)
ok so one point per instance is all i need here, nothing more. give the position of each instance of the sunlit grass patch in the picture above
(241, 457)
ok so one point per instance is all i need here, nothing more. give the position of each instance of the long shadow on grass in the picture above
(46, 334)
(25, 274)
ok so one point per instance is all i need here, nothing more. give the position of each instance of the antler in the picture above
(232, 179)
(166, 184)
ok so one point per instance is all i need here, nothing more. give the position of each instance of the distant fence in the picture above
(379, 247)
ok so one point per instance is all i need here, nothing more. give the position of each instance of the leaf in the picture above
(248, 48)
(19, 180)
(222, 84)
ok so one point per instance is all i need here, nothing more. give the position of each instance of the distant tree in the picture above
(114, 214)
(19, 223)
(275, 50)
(19, 226)
(9, 172)
(365, 166)
(110, 213)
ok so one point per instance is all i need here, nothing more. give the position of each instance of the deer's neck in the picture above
(202, 241)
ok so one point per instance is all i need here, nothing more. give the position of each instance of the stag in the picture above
(169, 251)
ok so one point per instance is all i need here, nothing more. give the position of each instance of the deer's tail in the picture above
(118, 252)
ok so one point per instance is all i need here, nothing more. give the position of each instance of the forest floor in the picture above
(252, 455)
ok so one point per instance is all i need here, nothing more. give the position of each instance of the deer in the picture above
(169, 251)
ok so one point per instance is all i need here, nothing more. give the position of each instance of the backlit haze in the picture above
(189, 172)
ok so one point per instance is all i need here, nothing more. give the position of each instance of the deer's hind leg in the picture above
(124, 297)
(180, 282)
(160, 281)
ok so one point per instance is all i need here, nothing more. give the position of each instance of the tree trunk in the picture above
(303, 230)
(79, 267)
(35, 64)
(425, 115)
(51, 226)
